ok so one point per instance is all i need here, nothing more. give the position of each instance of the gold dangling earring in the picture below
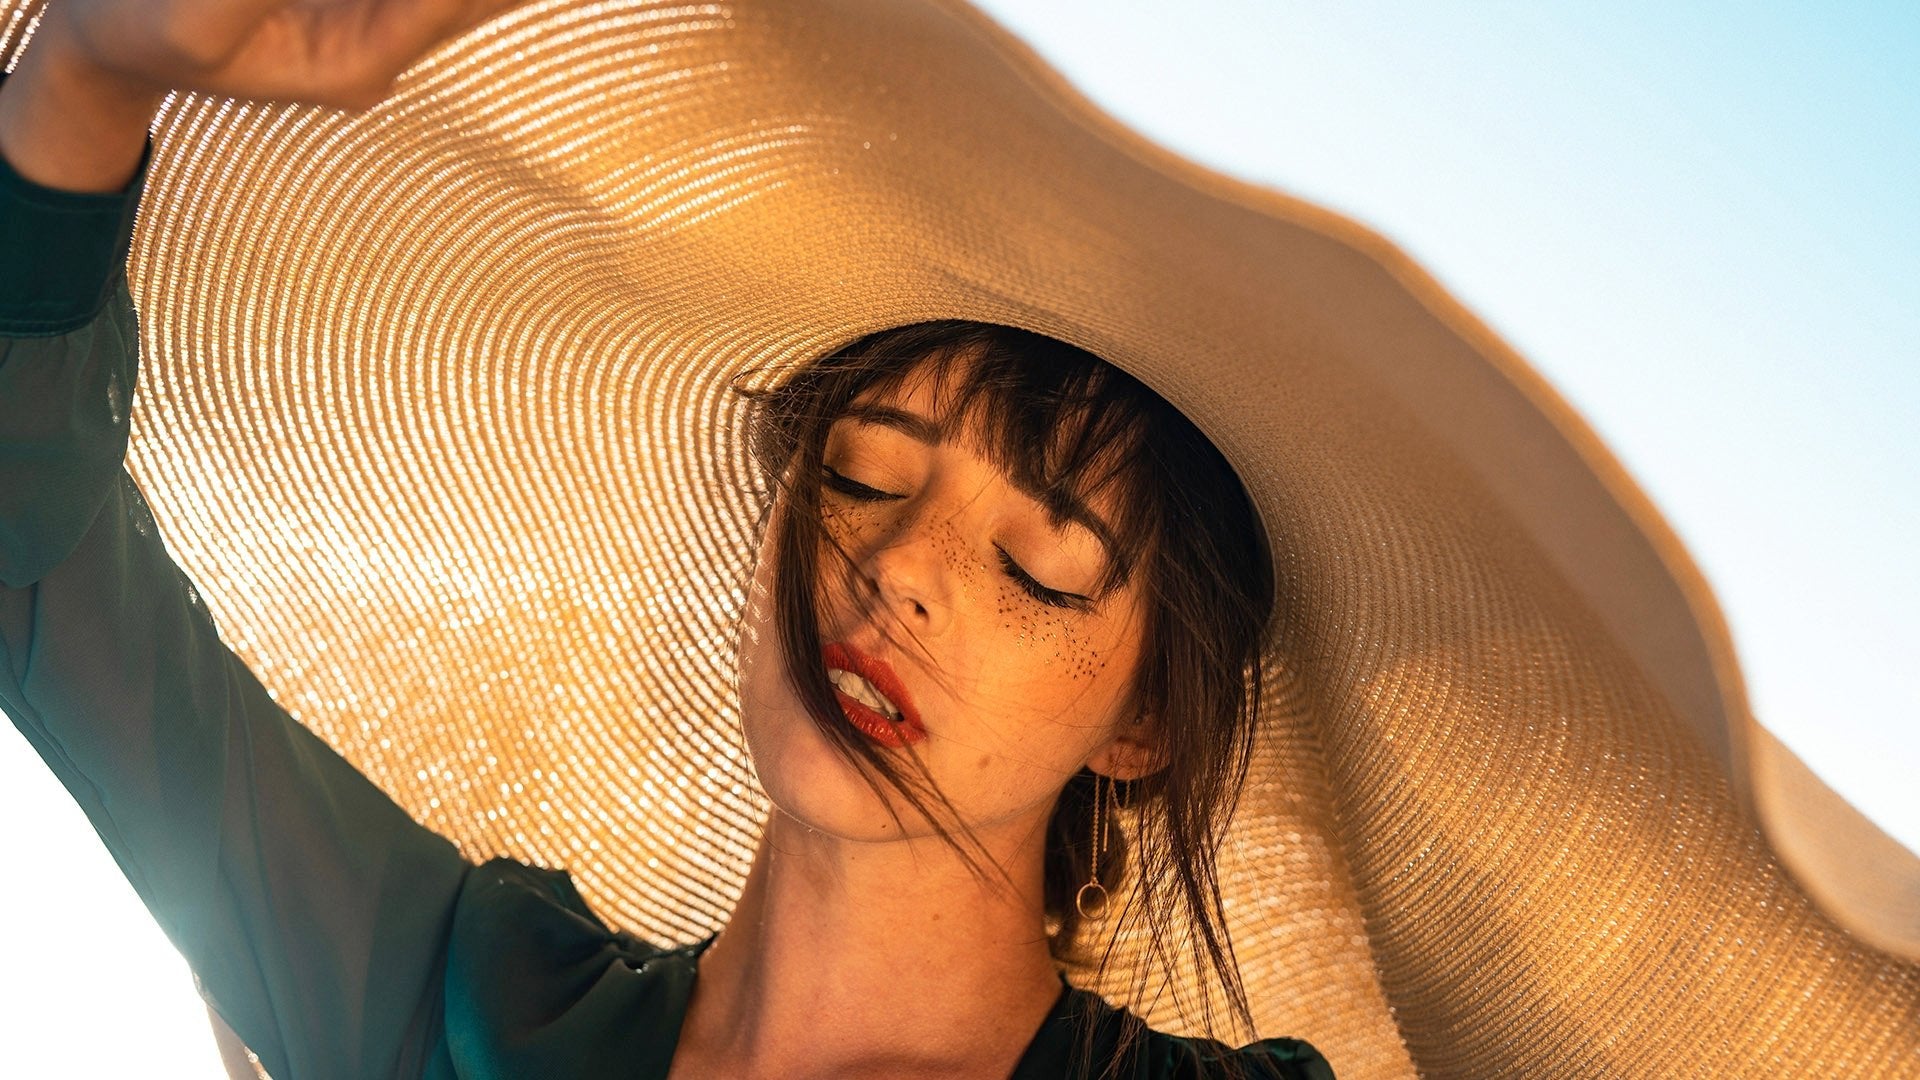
(1093, 894)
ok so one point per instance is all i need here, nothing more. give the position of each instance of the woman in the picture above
(961, 468)
(1006, 595)
(1488, 830)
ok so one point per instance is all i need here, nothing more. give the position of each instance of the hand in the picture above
(75, 111)
(340, 53)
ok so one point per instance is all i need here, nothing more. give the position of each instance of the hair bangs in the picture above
(1090, 443)
(1072, 434)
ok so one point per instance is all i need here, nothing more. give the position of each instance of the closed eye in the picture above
(854, 489)
(1049, 597)
(859, 492)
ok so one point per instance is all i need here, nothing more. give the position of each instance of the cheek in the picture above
(1075, 656)
(847, 531)
(797, 767)
(1056, 682)
(854, 525)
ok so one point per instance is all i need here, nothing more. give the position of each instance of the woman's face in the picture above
(981, 630)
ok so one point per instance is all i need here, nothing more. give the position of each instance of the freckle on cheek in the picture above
(985, 760)
(965, 569)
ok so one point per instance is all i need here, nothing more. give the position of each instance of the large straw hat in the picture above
(435, 412)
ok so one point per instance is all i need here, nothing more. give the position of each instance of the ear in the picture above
(1133, 752)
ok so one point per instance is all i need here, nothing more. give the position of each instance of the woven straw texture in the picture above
(435, 411)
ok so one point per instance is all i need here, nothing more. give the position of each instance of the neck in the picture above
(885, 957)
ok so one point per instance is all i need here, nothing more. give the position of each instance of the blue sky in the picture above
(1697, 220)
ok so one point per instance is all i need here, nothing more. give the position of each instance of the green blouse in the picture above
(336, 935)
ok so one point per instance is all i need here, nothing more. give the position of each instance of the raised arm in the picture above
(312, 908)
(97, 68)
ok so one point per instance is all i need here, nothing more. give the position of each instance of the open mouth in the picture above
(872, 696)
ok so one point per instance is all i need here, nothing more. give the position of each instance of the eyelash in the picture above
(854, 489)
(1049, 597)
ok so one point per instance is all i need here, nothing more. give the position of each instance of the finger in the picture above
(379, 39)
(204, 32)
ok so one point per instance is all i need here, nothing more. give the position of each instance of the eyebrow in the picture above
(1062, 507)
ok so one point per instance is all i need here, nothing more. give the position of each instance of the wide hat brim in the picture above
(435, 412)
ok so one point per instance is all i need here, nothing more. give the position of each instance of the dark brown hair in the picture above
(1061, 421)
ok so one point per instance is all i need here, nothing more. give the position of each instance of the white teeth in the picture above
(863, 691)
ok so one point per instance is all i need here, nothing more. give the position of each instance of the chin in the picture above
(804, 773)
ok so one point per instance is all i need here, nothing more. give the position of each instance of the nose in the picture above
(911, 571)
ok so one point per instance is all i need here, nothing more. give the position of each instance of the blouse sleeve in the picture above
(312, 908)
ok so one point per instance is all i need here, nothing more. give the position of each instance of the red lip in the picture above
(840, 656)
